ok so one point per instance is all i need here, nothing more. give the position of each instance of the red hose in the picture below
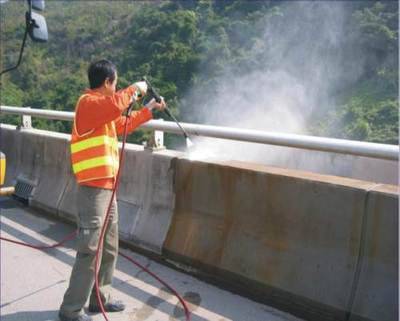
(99, 246)
(71, 236)
(105, 224)
(43, 247)
(181, 300)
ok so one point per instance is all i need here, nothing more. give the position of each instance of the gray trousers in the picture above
(93, 203)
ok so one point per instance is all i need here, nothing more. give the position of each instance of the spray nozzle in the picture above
(189, 143)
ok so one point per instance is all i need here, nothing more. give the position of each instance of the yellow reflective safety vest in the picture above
(95, 154)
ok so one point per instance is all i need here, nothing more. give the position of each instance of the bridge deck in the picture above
(33, 282)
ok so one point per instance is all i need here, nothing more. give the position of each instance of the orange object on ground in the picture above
(94, 142)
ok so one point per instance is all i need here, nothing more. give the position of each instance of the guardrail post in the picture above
(156, 140)
(26, 122)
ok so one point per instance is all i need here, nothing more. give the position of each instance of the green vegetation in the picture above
(187, 44)
(369, 110)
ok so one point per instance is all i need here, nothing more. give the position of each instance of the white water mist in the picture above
(304, 63)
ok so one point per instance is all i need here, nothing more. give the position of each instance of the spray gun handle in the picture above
(152, 91)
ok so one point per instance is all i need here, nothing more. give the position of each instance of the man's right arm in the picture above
(94, 111)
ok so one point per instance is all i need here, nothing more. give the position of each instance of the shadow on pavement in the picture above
(119, 284)
(160, 301)
(31, 316)
(30, 294)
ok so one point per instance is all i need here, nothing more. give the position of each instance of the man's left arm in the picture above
(135, 120)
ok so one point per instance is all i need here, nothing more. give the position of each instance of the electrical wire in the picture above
(29, 25)
(20, 53)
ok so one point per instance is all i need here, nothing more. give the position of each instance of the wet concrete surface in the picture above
(33, 282)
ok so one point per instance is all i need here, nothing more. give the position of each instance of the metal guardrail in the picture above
(342, 146)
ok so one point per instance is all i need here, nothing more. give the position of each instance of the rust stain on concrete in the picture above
(275, 226)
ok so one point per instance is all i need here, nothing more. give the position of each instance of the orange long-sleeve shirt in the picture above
(96, 109)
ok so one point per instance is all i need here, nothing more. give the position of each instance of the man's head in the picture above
(103, 74)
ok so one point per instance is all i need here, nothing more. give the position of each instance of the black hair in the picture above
(99, 71)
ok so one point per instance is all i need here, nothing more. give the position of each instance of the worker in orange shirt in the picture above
(95, 161)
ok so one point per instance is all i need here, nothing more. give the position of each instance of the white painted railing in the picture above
(342, 146)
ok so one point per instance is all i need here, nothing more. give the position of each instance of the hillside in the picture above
(322, 68)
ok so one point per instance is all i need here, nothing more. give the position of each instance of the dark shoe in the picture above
(112, 306)
(83, 317)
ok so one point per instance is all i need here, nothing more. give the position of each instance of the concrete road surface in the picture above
(33, 282)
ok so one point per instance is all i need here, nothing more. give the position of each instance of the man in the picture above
(95, 161)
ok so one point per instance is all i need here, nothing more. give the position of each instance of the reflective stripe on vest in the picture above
(93, 162)
(93, 142)
(103, 158)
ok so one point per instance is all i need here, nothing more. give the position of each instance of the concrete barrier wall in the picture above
(23, 154)
(296, 233)
(145, 196)
(321, 247)
(54, 172)
(376, 296)
(40, 158)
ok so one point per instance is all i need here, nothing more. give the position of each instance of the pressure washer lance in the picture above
(152, 92)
